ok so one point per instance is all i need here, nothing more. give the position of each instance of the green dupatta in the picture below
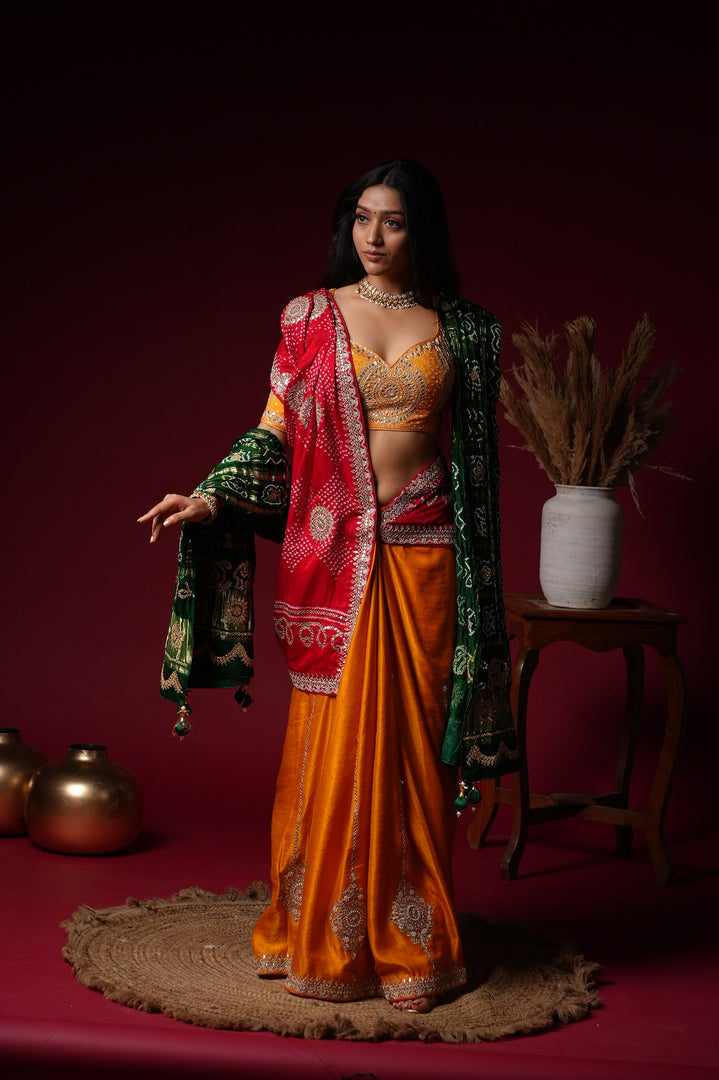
(209, 640)
(480, 736)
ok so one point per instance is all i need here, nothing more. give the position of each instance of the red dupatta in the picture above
(332, 522)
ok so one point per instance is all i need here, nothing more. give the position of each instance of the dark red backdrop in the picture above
(172, 188)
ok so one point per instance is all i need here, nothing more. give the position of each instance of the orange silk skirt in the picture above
(363, 821)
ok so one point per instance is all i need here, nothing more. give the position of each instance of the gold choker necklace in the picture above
(370, 292)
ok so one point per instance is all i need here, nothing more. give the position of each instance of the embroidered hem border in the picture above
(421, 513)
(332, 990)
(433, 535)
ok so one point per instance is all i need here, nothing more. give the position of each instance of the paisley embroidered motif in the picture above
(322, 523)
(296, 396)
(349, 918)
(319, 305)
(305, 411)
(413, 915)
(410, 911)
(280, 379)
(296, 310)
(292, 880)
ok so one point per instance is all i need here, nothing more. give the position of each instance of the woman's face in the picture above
(380, 235)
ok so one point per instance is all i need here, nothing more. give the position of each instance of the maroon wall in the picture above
(172, 188)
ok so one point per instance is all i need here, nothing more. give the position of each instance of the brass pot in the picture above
(18, 762)
(84, 803)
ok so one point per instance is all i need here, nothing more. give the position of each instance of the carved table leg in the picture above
(672, 673)
(634, 659)
(522, 672)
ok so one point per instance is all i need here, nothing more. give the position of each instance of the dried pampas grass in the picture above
(586, 426)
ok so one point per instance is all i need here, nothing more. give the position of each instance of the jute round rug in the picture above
(189, 957)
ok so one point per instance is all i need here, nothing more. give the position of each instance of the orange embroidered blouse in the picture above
(406, 395)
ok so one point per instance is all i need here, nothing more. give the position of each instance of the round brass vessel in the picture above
(84, 803)
(18, 762)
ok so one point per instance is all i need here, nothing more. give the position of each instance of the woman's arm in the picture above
(274, 431)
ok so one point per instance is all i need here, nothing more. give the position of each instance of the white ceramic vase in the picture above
(581, 547)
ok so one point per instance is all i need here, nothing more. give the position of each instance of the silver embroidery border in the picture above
(422, 483)
(295, 869)
(412, 535)
(391, 989)
(351, 408)
(351, 896)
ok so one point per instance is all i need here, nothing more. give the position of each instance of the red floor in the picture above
(657, 946)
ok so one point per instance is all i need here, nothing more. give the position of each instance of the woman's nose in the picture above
(375, 234)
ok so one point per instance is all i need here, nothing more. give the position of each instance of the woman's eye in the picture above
(361, 218)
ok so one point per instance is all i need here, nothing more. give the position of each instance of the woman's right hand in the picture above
(173, 510)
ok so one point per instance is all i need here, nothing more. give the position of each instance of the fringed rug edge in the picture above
(580, 998)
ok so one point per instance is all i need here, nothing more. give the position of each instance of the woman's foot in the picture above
(416, 1005)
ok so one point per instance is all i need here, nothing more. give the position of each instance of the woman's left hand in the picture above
(173, 510)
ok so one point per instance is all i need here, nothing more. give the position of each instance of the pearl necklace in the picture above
(370, 292)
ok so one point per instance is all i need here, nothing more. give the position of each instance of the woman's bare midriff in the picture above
(396, 457)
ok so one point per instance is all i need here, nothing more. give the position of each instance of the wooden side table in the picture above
(628, 625)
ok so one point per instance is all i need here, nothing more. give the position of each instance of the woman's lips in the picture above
(373, 256)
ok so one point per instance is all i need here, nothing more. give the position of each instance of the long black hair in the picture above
(431, 273)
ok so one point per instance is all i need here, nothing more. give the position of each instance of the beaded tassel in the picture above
(182, 725)
(468, 795)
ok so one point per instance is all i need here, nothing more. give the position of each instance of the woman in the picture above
(389, 603)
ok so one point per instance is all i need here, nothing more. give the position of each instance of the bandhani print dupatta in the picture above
(480, 735)
(209, 640)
